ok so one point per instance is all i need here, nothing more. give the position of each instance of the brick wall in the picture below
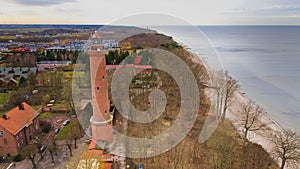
(7, 143)
(13, 144)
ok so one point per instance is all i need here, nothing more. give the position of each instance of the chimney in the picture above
(6, 117)
(21, 106)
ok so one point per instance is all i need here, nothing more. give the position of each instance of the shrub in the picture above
(46, 129)
(17, 158)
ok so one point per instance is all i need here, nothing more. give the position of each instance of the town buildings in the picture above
(18, 128)
(21, 59)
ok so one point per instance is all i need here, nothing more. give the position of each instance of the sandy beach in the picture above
(261, 137)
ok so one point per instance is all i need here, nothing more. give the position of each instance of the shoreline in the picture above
(260, 137)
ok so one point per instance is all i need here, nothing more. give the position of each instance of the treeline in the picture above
(116, 57)
(64, 55)
(40, 89)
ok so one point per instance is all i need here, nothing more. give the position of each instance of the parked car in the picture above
(66, 122)
(57, 130)
(88, 140)
(1, 159)
(43, 148)
(74, 116)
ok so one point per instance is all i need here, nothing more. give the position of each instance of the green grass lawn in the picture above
(36, 107)
(4, 97)
(63, 134)
(2, 113)
(8, 37)
(68, 75)
(58, 105)
(46, 115)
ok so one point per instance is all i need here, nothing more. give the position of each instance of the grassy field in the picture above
(4, 97)
(58, 105)
(64, 132)
(46, 115)
(68, 75)
(36, 107)
(2, 113)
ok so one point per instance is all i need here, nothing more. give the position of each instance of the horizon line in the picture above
(94, 24)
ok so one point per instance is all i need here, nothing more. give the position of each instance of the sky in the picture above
(197, 12)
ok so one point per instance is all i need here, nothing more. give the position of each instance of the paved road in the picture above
(61, 159)
(4, 165)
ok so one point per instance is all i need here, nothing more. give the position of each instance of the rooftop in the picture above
(18, 118)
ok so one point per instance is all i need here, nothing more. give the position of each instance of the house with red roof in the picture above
(18, 128)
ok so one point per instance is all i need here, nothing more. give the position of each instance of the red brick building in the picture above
(24, 60)
(101, 121)
(18, 128)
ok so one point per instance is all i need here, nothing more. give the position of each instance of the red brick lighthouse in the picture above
(101, 121)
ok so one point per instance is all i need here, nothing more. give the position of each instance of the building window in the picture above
(98, 88)
(17, 137)
(5, 141)
(1, 133)
(21, 134)
(102, 77)
(19, 145)
(22, 141)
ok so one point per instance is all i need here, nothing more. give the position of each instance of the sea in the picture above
(264, 59)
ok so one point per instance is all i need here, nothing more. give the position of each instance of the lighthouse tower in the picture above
(101, 121)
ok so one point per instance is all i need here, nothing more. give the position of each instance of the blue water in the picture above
(264, 59)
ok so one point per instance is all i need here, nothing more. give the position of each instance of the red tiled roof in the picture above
(96, 35)
(92, 145)
(18, 119)
(107, 166)
(98, 155)
(137, 60)
(129, 66)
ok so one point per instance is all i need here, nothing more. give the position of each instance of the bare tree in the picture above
(39, 148)
(76, 134)
(218, 84)
(231, 86)
(67, 97)
(52, 149)
(250, 119)
(69, 145)
(286, 147)
(30, 151)
(225, 87)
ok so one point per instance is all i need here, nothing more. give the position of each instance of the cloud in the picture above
(41, 2)
(266, 10)
(29, 13)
